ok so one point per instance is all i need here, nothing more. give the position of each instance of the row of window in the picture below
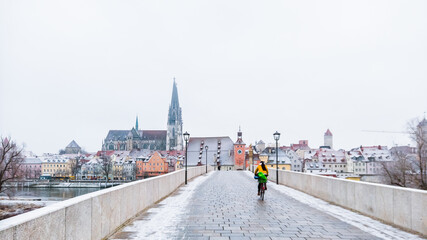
(57, 165)
(152, 169)
(51, 170)
(154, 164)
(338, 165)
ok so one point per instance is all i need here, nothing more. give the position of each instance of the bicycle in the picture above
(262, 191)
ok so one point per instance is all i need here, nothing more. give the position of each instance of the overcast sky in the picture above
(76, 69)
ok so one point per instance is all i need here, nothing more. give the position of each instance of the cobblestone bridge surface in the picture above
(225, 205)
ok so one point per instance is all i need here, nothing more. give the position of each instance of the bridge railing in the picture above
(403, 207)
(95, 215)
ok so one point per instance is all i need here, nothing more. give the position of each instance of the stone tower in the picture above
(328, 139)
(239, 152)
(174, 130)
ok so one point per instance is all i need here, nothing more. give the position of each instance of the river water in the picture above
(50, 194)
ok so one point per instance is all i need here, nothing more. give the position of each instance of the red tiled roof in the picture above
(379, 147)
(108, 153)
(328, 133)
(172, 153)
(154, 133)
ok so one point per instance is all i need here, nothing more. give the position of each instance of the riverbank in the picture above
(13, 207)
(47, 193)
(25, 199)
(28, 196)
(65, 184)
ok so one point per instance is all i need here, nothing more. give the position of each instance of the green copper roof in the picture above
(136, 125)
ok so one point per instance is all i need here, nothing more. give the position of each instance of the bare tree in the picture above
(106, 165)
(418, 132)
(11, 159)
(75, 166)
(27, 173)
(84, 173)
(37, 173)
(409, 169)
(96, 170)
(398, 172)
(134, 170)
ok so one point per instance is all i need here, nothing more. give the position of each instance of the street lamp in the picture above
(277, 137)
(186, 138)
(206, 147)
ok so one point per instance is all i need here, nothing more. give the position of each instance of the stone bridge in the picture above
(225, 205)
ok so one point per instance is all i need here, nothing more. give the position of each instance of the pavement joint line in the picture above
(225, 206)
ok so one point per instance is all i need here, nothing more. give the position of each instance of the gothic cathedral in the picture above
(170, 139)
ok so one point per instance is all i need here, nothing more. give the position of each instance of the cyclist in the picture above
(262, 172)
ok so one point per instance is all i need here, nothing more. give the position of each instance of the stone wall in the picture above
(403, 207)
(94, 215)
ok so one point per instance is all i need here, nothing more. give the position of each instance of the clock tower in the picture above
(239, 152)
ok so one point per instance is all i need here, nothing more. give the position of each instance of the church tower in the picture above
(328, 139)
(174, 131)
(239, 152)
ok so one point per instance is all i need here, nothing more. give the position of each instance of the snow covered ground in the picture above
(161, 221)
(17, 202)
(10, 208)
(362, 222)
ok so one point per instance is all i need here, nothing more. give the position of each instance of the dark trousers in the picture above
(260, 185)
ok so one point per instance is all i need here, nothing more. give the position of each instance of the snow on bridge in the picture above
(225, 205)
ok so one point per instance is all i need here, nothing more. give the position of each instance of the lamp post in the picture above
(277, 137)
(186, 138)
(206, 147)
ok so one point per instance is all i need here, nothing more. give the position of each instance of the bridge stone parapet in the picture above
(403, 207)
(96, 215)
